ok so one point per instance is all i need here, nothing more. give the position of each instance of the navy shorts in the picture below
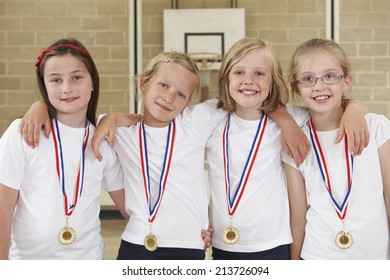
(279, 253)
(131, 251)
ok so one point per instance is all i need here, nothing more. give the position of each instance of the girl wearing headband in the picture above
(50, 195)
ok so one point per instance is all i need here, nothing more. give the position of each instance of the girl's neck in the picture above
(72, 120)
(327, 121)
(152, 121)
(248, 114)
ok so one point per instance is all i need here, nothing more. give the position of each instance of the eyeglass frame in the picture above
(340, 77)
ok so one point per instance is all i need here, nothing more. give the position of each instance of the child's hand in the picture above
(354, 125)
(105, 128)
(207, 236)
(33, 121)
(295, 143)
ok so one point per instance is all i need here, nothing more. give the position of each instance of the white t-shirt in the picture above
(366, 217)
(184, 208)
(39, 213)
(262, 216)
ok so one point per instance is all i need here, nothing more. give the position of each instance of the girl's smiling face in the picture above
(167, 93)
(322, 97)
(69, 88)
(249, 84)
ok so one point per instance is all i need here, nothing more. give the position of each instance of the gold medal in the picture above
(67, 235)
(344, 239)
(150, 242)
(230, 235)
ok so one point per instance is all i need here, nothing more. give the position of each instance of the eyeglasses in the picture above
(327, 79)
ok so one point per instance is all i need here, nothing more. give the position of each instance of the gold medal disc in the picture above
(344, 239)
(150, 242)
(67, 235)
(231, 235)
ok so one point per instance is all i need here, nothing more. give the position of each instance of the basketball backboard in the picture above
(208, 31)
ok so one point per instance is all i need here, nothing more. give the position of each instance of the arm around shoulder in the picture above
(36, 118)
(354, 125)
(107, 128)
(294, 141)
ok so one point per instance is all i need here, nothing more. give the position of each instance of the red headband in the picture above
(40, 57)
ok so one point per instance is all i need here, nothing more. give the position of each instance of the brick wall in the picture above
(364, 34)
(26, 26)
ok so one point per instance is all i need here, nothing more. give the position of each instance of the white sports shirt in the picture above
(184, 207)
(262, 215)
(366, 217)
(40, 214)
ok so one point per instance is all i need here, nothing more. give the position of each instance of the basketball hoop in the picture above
(205, 60)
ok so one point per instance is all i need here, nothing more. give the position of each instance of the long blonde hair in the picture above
(278, 95)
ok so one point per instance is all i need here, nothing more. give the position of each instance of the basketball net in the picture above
(205, 60)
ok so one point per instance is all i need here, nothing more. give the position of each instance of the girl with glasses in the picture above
(339, 203)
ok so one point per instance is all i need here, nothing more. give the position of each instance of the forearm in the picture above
(5, 238)
(294, 141)
(281, 117)
(8, 199)
(384, 157)
(118, 197)
(298, 235)
(298, 208)
(355, 105)
(122, 119)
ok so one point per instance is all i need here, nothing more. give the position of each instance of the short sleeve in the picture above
(12, 155)
(113, 173)
(287, 159)
(202, 118)
(300, 114)
(379, 128)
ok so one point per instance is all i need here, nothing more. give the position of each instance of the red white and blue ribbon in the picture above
(69, 207)
(341, 210)
(233, 198)
(153, 208)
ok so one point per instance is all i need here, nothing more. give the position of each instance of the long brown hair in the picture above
(77, 49)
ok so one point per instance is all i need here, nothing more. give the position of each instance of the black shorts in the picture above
(131, 251)
(279, 253)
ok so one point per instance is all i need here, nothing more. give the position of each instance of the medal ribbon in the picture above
(341, 210)
(153, 208)
(235, 200)
(69, 207)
